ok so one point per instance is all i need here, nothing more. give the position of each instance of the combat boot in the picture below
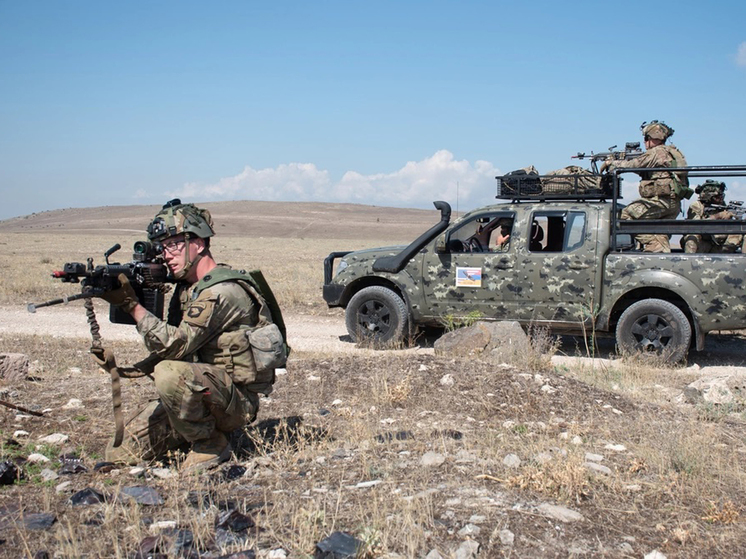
(207, 453)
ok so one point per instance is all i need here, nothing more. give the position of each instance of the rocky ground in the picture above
(411, 454)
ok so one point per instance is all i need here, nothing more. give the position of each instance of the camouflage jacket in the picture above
(657, 183)
(212, 330)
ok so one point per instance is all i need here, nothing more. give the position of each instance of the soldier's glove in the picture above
(605, 165)
(122, 297)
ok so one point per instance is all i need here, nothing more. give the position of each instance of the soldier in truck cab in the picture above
(661, 192)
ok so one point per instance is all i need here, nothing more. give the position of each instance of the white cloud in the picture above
(741, 55)
(141, 193)
(416, 184)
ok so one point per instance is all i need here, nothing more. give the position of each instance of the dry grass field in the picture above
(415, 455)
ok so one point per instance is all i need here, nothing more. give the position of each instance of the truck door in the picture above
(561, 266)
(474, 268)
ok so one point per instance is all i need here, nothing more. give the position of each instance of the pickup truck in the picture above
(569, 265)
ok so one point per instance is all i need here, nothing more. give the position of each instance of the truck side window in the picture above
(563, 231)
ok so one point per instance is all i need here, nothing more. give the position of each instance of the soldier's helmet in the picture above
(710, 190)
(658, 130)
(175, 218)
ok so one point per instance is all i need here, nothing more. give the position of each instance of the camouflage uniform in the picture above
(697, 210)
(658, 190)
(207, 379)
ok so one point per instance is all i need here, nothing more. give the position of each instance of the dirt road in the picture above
(306, 333)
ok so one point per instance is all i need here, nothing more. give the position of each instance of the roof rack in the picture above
(522, 185)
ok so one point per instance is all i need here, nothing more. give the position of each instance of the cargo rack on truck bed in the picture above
(518, 186)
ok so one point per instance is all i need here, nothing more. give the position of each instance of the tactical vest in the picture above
(665, 184)
(250, 353)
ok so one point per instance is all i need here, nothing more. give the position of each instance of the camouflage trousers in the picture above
(194, 400)
(713, 244)
(653, 208)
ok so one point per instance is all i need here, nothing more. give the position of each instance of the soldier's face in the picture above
(174, 252)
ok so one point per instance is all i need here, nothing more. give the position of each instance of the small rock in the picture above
(72, 467)
(143, 495)
(507, 538)
(9, 473)
(20, 434)
(278, 553)
(137, 471)
(39, 521)
(434, 553)
(563, 514)
(511, 461)
(590, 457)
(73, 404)
(422, 368)
(161, 526)
(548, 389)
(162, 473)
(234, 521)
(468, 531)
(37, 458)
(655, 554)
(634, 488)
(597, 468)
(432, 459)
(366, 484)
(64, 487)
(104, 467)
(55, 438)
(337, 402)
(339, 545)
(467, 550)
(48, 475)
(447, 380)
(576, 440)
(87, 496)
(477, 519)
(616, 447)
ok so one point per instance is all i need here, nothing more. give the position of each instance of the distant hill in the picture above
(313, 220)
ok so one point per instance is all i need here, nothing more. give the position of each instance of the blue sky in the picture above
(386, 103)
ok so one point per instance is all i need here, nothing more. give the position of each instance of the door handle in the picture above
(577, 265)
(504, 265)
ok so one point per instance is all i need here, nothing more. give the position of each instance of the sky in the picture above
(391, 103)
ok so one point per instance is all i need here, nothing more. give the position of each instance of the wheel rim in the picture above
(374, 318)
(652, 333)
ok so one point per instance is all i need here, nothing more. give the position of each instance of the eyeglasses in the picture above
(172, 247)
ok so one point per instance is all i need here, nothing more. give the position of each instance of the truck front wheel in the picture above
(654, 326)
(376, 314)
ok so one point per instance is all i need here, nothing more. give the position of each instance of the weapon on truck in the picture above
(631, 150)
(149, 278)
(735, 207)
(146, 272)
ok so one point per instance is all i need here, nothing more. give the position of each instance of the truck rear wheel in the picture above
(654, 326)
(376, 314)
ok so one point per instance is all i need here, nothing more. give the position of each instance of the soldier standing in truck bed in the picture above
(660, 191)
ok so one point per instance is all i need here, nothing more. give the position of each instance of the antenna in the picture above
(457, 197)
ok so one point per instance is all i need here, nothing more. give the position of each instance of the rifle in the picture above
(147, 273)
(631, 150)
(735, 207)
(148, 276)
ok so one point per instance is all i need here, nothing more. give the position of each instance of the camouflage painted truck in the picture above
(569, 265)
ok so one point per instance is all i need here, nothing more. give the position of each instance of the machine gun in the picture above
(147, 273)
(735, 208)
(631, 150)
